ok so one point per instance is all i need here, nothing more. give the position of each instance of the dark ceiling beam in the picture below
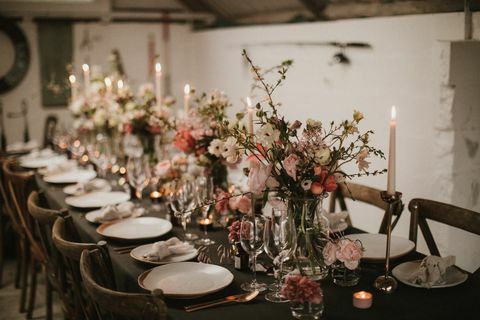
(202, 5)
(316, 7)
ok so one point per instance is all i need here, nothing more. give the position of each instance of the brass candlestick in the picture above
(386, 283)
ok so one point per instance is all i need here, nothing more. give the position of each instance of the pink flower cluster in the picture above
(234, 231)
(225, 202)
(301, 289)
(344, 250)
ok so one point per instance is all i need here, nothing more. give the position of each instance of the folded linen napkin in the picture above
(162, 249)
(92, 185)
(119, 211)
(432, 271)
(44, 153)
(20, 146)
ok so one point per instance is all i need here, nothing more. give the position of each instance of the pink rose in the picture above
(241, 203)
(290, 165)
(301, 289)
(163, 168)
(349, 252)
(330, 253)
(258, 175)
(221, 199)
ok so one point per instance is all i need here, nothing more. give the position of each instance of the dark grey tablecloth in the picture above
(462, 301)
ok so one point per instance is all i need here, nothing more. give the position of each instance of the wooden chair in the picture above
(49, 130)
(19, 185)
(423, 209)
(119, 304)
(367, 195)
(53, 264)
(67, 241)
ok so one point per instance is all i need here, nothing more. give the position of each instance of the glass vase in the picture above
(345, 277)
(306, 310)
(311, 236)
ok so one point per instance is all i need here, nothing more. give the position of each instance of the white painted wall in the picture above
(403, 68)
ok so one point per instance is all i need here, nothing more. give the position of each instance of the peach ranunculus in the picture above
(241, 203)
(290, 165)
(316, 188)
(258, 175)
(327, 182)
(349, 252)
(330, 253)
(330, 184)
(184, 141)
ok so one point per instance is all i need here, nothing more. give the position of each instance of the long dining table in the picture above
(461, 301)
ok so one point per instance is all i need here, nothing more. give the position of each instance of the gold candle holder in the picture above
(386, 283)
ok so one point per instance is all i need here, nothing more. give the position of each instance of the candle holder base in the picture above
(385, 284)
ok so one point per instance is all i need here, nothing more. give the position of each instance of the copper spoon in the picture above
(244, 297)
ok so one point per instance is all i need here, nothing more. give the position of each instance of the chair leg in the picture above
(2, 244)
(24, 276)
(19, 264)
(33, 288)
(48, 296)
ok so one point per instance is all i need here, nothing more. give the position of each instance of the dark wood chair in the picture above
(53, 264)
(119, 304)
(66, 239)
(49, 131)
(367, 195)
(19, 185)
(422, 210)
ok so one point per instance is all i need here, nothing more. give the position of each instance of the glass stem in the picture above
(184, 227)
(279, 276)
(254, 260)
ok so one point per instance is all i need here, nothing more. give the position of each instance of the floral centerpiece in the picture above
(305, 296)
(344, 256)
(146, 119)
(300, 163)
(200, 133)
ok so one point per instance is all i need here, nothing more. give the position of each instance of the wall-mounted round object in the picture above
(14, 56)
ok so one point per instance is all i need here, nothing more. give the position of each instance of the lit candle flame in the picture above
(186, 89)
(72, 78)
(249, 102)
(158, 67)
(108, 82)
(85, 67)
(120, 84)
(394, 113)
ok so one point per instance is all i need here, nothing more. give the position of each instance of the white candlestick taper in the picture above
(158, 83)
(391, 153)
(86, 77)
(186, 99)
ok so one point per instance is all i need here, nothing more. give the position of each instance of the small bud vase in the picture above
(343, 276)
(306, 310)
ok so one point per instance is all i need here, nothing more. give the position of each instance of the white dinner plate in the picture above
(71, 189)
(140, 251)
(73, 176)
(403, 272)
(186, 279)
(375, 245)
(97, 199)
(142, 228)
(42, 161)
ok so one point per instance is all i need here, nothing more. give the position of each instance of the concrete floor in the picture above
(10, 297)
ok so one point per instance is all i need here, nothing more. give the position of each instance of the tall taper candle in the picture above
(391, 153)
(186, 99)
(86, 77)
(108, 84)
(158, 83)
(73, 86)
(249, 116)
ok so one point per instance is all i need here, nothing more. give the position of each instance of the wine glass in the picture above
(182, 201)
(138, 173)
(204, 200)
(99, 154)
(278, 239)
(251, 238)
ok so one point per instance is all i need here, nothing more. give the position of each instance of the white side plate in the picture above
(375, 245)
(139, 252)
(403, 272)
(186, 279)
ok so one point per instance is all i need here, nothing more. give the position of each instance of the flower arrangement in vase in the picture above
(200, 133)
(299, 163)
(305, 296)
(344, 255)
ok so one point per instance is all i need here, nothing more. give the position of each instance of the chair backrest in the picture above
(365, 194)
(120, 304)
(19, 186)
(7, 204)
(423, 209)
(53, 262)
(66, 239)
(49, 130)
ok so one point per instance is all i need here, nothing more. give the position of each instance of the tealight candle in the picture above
(362, 299)
(205, 223)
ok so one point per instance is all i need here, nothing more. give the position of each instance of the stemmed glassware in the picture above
(251, 238)
(204, 200)
(99, 154)
(182, 201)
(138, 173)
(278, 240)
